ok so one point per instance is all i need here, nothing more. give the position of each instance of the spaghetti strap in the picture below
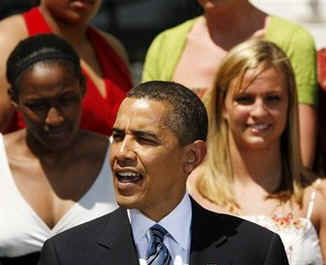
(35, 23)
(311, 204)
(312, 201)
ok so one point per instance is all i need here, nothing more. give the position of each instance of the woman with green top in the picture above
(191, 53)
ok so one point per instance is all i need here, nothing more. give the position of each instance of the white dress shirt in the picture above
(177, 223)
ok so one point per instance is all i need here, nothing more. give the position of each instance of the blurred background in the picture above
(136, 22)
(309, 13)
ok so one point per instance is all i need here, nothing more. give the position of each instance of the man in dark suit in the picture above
(158, 140)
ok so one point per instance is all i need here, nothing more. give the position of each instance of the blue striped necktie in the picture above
(157, 252)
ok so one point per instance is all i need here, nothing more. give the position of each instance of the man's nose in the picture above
(126, 155)
(54, 117)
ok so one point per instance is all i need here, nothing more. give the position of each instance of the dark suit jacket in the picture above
(215, 239)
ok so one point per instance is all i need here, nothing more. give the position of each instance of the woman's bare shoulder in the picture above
(15, 144)
(12, 30)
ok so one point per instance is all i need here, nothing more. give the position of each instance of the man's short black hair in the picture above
(188, 116)
(45, 48)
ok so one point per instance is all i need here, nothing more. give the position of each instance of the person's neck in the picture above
(73, 33)
(257, 167)
(161, 211)
(234, 24)
(46, 156)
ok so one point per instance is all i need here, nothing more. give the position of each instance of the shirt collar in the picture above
(177, 223)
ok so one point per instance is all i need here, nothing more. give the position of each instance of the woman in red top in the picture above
(103, 59)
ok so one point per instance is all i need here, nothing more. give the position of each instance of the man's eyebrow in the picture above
(144, 134)
(139, 133)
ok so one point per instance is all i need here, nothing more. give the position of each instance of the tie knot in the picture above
(157, 252)
(158, 231)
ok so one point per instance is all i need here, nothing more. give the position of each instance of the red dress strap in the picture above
(35, 22)
(113, 67)
(117, 83)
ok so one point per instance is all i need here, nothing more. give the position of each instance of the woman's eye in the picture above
(274, 98)
(68, 100)
(244, 100)
(37, 106)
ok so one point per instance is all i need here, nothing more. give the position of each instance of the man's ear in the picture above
(13, 97)
(194, 155)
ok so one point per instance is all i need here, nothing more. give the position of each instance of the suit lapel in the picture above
(116, 245)
(207, 237)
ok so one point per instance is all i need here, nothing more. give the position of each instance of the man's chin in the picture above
(129, 202)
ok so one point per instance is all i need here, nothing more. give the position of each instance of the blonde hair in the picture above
(217, 176)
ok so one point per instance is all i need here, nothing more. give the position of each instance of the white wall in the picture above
(309, 13)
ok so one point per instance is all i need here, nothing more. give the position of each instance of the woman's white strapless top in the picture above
(298, 235)
(23, 232)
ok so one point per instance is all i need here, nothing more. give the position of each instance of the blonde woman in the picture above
(202, 43)
(253, 168)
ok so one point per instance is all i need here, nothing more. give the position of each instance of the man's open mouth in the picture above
(129, 177)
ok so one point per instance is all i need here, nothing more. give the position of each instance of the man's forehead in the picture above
(143, 102)
(141, 113)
